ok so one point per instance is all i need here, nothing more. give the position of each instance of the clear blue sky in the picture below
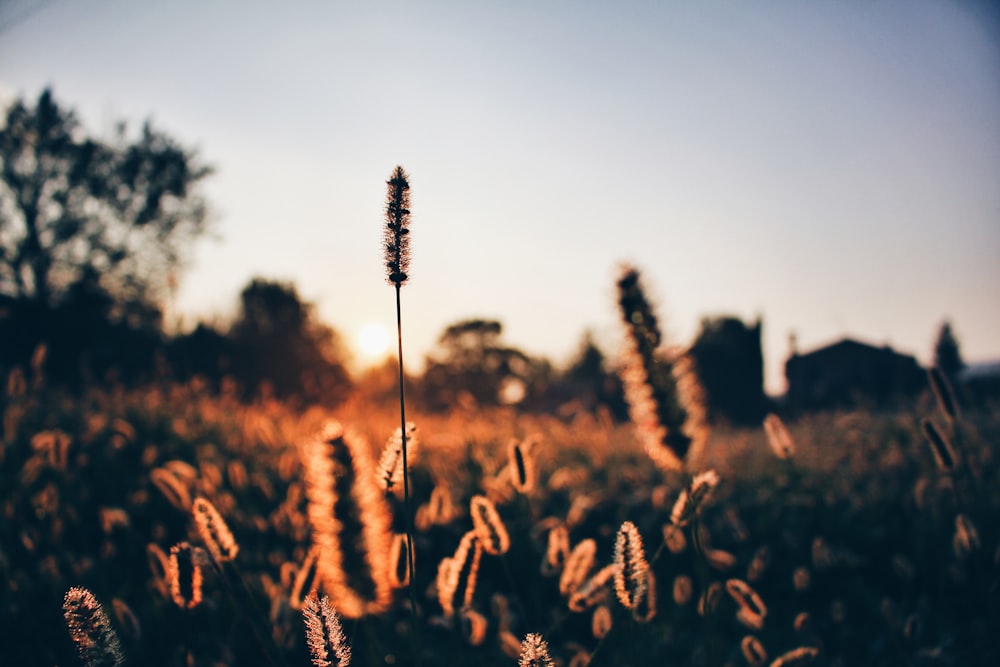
(833, 167)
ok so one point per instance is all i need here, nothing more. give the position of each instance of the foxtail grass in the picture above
(96, 641)
(350, 520)
(534, 652)
(324, 633)
(631, 568)
(397, 263)
(665, 398)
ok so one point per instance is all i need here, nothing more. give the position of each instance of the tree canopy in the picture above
(280, 342)
(116, 215)
(472, 362)
(947, 354)
(730, 365)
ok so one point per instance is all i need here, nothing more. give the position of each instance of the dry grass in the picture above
(853, 546)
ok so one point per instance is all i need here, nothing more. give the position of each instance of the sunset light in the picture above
(373, 341)
(499, 333)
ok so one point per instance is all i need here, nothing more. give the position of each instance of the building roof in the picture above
(850, 343)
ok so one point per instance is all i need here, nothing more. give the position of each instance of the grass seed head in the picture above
(778, 437)
(944, 453)
(651, 388)
(631, 569)
(534, 652)
(944, 394)
(324, 633)
(601, 621)
(390, 465)
(753, 651)
(489, 527)
(521, 464)
(683, 588)
(213, 531)
(692, 498)
(473, 625)
(350, 520)
(798, 657)
(96, 641)
(578, 565)
(397, 227)
(185, 575)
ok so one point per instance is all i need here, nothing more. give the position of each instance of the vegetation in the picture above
(245, 516)
(853, 544)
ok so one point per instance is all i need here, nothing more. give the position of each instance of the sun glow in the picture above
(373, 340)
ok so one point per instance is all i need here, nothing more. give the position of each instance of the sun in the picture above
(373, 340)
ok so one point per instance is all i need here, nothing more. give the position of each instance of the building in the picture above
(849, 373)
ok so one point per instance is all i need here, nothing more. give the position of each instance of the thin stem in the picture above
(406, 470)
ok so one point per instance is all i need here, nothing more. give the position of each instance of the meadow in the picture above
(851, 543)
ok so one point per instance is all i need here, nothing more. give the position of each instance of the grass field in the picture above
(852, 546)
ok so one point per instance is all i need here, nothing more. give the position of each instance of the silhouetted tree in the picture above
(205, 352)
(282, 345)
(471, 361)
(589, 381)
(947, 355)
(730, 365)
(124, 211)
(90, 230)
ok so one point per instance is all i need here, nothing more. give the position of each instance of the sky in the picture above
(830, 167)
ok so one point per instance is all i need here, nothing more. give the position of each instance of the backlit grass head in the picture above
(663, 393)
(397, 227)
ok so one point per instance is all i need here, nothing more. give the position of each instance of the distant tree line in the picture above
(93, 233)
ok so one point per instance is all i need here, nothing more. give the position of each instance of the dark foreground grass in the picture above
(854, 545)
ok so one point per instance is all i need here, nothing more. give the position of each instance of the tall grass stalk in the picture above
(397, 253)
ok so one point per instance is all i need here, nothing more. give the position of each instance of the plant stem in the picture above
(406, 472)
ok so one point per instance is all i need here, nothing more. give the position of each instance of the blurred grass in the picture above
(861, 510)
